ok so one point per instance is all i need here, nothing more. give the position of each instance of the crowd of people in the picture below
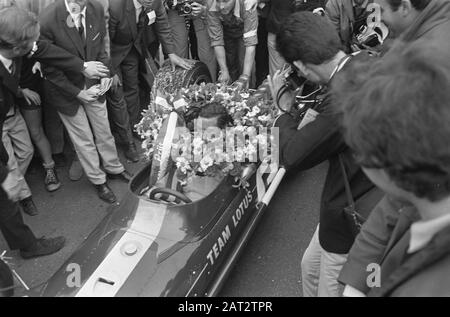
(73, 75)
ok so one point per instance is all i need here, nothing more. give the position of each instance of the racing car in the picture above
(148, 246)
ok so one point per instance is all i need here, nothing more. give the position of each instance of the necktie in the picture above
(12, 68)
(141, 19)
(81, 28)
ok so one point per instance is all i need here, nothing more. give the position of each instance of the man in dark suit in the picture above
(79, 27)
(134, 25)
(19, 31)
(310, 43)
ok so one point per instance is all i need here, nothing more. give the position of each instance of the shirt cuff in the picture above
(251, 41)
(217, 43)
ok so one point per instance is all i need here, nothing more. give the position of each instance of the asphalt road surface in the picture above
(270, 265)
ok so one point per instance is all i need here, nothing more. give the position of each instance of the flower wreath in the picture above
(251, 113)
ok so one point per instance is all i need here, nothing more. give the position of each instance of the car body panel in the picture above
(148, 248)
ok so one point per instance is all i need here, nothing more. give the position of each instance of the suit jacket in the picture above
(384, 240)
(57, 57)
(9, 85)
(123, 30)
(341, 14)
(61, 88)
(9, 92)
(315, 143)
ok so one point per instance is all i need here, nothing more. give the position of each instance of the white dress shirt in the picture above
(75, 14)
(7, 63)
(422, 232)
(138, 8)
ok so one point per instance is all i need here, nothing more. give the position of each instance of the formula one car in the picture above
(147, 246)
(151, 247)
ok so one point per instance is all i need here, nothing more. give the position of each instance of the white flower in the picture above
(183, 164)
(240, 128)
(250, 149)
(239, 155)
(206, 163)
(145, 144)
(264, 118)
(197, 142)
(261, 139)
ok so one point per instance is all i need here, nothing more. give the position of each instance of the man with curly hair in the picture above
(396, 118)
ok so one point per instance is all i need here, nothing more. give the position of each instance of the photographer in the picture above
(310, 43)
(192, 13)
(418, 23)
(408, 158)
(233, 29)
(351, 19)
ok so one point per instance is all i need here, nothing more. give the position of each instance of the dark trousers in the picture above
(262, 53)
(129, 74)
(17, 234)
(119, 117)
(235, 53)
(54, 129)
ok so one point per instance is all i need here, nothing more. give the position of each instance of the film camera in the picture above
(371, 37)
(183, 7)
(307, 94)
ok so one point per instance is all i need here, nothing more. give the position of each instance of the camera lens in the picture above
(187, 9)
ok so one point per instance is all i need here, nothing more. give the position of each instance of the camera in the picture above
(371, 37)
(184, 7)
(293, 80)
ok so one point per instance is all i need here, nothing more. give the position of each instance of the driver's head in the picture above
(309, 41)
(213, 115)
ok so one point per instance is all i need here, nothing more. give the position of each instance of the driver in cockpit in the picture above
(205, 117)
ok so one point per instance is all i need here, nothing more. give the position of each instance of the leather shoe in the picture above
(29, 207)
(43, 247)
(131, 153)
(105, 193)
(125, 176)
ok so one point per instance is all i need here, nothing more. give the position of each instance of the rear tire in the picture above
(197, 75)
(169, 81)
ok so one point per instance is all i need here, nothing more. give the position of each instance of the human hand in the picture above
(37, 68)
(95, 70)
(181, 62)
(90, 95)
(224, 77)
(116, 83)
(198, 9)
(242, 82)
(31, 97)
(277, 82)
(12, 186)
